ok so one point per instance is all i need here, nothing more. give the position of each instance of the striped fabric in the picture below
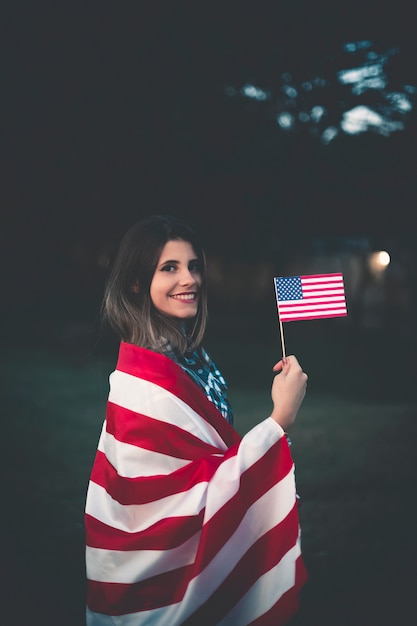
(186, 522)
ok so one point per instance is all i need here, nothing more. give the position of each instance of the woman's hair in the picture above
(127, 304)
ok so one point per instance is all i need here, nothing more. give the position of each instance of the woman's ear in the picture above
(135, 287)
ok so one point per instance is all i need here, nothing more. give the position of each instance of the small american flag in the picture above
(310, 297)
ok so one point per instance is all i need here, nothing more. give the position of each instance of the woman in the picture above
(186, 522)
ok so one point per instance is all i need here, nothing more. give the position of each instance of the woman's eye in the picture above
(169, 268)
(194, 267)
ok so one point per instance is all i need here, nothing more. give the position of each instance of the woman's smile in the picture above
(187, 297)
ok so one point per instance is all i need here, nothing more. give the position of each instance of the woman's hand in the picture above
(288, 391)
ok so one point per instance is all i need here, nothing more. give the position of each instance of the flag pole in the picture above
(281, 329)
(282, 338)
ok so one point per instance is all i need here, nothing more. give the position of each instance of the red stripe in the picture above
(313, 316)
(254, 483)
(120, 599)
(166, 534)
(152, 434)
(144, 489)
(164, 372)
(262, 556)
(288, 604)
(323, 276)
(309, 307)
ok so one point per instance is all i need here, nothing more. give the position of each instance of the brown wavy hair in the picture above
(127, 306)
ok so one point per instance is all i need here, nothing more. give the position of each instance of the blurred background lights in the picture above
(379, 261)
(399, 101)
(290, 91)
(250, 91)
(361, 119)
(353, 46)
(365, 94)
(329, 134)
(285, 120)
(364, 78)
(317, 113)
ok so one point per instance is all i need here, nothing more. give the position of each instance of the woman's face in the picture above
(177, 280)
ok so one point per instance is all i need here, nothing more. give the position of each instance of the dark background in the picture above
(111, 111)
(114, 111)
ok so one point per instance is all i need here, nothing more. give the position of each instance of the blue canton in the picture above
(289, 288)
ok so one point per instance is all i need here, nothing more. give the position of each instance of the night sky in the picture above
(115, 110)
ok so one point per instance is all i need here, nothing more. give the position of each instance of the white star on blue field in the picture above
(289, 288)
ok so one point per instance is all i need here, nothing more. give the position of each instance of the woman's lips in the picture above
(185, 297)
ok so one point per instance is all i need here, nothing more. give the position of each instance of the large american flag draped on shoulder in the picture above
(310, 297)
(187, 522)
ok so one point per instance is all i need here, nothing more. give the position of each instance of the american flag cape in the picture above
(187, 522)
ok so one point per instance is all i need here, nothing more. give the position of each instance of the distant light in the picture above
(250, 91)
(379, 261)
(369, 83)
(329, 134)
(353, 46)
(291, 92)
(285, 120)
(319, 81)
(303, 117)
(358, 74)
(359, 119)
(384, 258)
(400, 102)
(317, 113)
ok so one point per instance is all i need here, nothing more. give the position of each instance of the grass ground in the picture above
(354, 448)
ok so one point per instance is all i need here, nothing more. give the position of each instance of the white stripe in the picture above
(133, 518)
(132, 461)
(225, 483)
(327, 312)
(312, 299)
(142, 396)
(116, 566)
(266, 592)
(311, 305)
(323, 293)
(144, 618)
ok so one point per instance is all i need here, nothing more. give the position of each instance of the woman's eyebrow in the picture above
(168, 261)
(175, 261)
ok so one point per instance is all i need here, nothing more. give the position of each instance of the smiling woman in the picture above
(157, 286)
(186, 522)
(177, 281)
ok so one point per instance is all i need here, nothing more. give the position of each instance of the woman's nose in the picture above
(186, 277)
